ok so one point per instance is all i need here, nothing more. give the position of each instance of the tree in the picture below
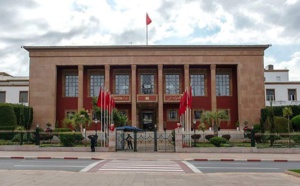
(78, 121)
(120, 119)
(287, 112)
(272, 125)
(214, 119)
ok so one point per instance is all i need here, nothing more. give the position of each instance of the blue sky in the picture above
(180, 22)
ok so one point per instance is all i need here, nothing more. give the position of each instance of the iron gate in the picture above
(146, 141)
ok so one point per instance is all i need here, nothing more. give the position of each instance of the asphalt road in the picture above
(46, 164)
(267, 167)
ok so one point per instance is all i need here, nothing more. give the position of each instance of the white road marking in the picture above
(89, 167)
(191, 166)
(142, 166)
(240, 168)
(47, 166)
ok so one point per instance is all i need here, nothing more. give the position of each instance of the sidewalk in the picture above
(152, 156)
(38, 177)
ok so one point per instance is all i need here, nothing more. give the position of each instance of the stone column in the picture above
(160, 98)
(107, 77)
(80, 87)
(213, 87)
(133, 95)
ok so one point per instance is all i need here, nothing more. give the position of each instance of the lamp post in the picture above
(96, 121)
(155, 137)
(194, 122)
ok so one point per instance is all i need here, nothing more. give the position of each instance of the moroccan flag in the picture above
(107, 101)
(190, 97)
(148, 20)
(99, 104)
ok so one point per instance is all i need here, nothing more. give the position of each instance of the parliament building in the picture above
(147, 82)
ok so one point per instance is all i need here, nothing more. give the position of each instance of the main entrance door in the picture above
(148, 120)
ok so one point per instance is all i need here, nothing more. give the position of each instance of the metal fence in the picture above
(243, 139)
(146, 141)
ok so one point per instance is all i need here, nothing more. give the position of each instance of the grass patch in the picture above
(296, 170)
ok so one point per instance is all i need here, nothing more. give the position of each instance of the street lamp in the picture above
(96, 121)
(194, 122)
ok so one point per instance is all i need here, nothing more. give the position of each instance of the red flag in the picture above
(107, 101)
(99, 98)
(102, 99)
(148, 20)
(190, 98)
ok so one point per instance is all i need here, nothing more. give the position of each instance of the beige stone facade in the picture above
(248, 61)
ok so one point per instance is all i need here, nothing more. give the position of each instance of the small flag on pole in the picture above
(148, 20)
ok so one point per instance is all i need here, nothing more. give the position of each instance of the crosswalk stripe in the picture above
(142, 166)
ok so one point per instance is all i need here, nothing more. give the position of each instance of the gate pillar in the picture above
(178, 140)
(112, 141)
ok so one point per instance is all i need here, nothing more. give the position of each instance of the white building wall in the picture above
(281, 94)
(12, 93)
(273, 76)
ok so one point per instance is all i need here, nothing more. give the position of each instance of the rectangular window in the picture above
(23, 97)
(70, 114)
(96, 81)
(292, 94)
(227, 112)
(122, 84)
(2, 97)
(223, 84)
(198, 84)
(71, 85)
(147, 84)
(172, 84)
(270, 94)
(278, 78)
(197, 114)
(173, 115)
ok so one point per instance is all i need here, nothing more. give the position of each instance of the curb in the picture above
(47, 157)
(292, 173)
(196, 159)
(248, 160)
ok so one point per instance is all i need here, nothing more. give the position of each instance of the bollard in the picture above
(252, 138)
(37, 136)
(135, 140)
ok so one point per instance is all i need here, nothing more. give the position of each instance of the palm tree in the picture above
(78, 121)
(287, 112)
(214, 119)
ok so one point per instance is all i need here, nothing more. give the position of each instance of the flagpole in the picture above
(146, 34)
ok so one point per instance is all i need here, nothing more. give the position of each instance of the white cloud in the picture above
(96, 22)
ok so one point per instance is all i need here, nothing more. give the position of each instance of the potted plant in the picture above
(237, 124)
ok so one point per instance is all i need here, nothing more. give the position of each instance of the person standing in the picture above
(129, 142)
(93, 142)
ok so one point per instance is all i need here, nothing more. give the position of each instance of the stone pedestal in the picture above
(178, 140)
(112, 141)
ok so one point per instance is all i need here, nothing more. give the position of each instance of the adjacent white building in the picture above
(279, 89)
(14, 89)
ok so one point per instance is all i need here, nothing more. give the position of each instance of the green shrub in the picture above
(196, 136)
(217, 141)
(27, 137)
(226, 136)
(281, 125)
(7, 133)
(278, 112)
(296, 123)
(70, 139)
(58, 130)
(295, 136)
(256, 128)
(7, 116)
(209, 136)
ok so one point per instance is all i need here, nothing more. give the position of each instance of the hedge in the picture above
(24, 114)
(277, 112)
(296, 123)
(70, 139)
(7, 116)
